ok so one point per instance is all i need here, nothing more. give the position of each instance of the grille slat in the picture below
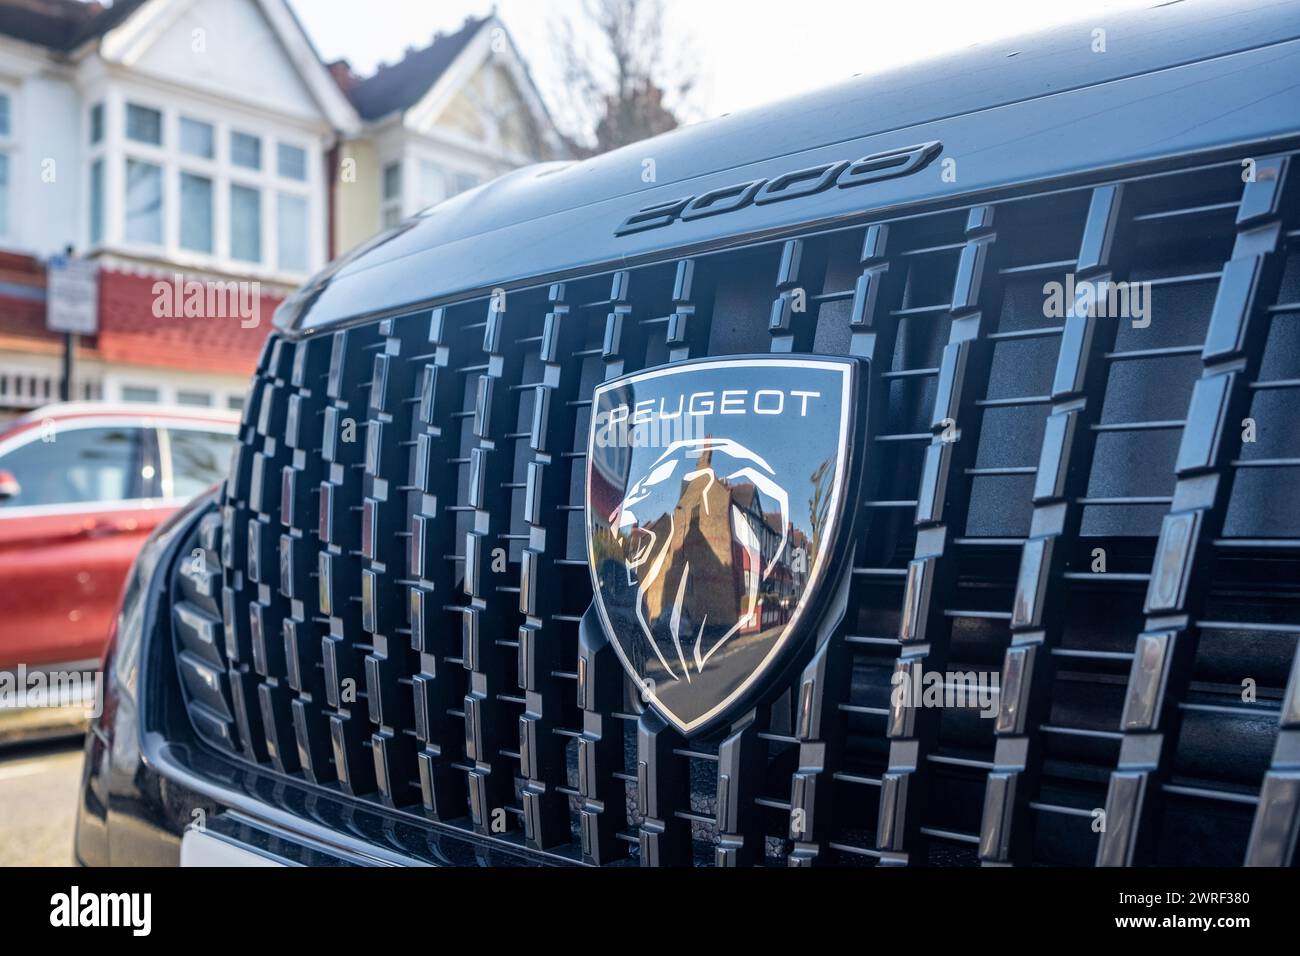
(299, 564)
(546, 644)
(489, 611)
(389, 668)
(1060, 479)
(438, 686)
(823, 687)
(338, 564)
(914, 731)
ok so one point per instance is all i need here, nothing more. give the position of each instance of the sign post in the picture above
(71, 306)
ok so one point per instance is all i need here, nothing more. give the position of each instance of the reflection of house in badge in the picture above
(789, 577)
(765, 527)
(722, 571)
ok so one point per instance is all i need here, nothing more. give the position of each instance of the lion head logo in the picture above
(702, 534)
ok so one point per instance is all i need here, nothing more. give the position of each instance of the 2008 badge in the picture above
(791, 185)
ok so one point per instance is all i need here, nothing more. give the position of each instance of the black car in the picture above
(905, 475)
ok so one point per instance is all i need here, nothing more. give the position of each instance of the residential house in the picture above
(444, 119)
(178, 142)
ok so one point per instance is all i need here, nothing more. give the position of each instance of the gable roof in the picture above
(61, 25)
(66, 25)
(403, 84)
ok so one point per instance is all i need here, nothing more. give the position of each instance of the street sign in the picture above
(72, 295)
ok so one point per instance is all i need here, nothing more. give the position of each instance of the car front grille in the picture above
(389, 604)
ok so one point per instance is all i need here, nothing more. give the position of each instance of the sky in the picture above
(747, 52)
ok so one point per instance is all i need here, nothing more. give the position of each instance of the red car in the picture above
(81, 486)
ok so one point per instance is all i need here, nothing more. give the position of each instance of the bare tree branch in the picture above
(621, 84)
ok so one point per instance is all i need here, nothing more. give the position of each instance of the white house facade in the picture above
(204, 141)
(158, 137)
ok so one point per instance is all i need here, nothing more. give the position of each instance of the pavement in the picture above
(39, 787)
(30, 724)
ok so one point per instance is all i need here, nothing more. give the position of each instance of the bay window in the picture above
(197, 138)
(291, 162)
(143, 124)
(196, 213)
(96, 202)
(291, 228)
(208, 191)
(144, 202)
(392, 194)
(466, 181)
(245, 150)
(433, 184)
(245, 223)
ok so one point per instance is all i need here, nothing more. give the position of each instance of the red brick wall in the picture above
(130, 332)
(22, 320)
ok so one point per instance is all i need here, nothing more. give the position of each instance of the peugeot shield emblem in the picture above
(715, 492)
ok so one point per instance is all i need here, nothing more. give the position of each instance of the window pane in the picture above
(245, 224)
(245, 150)
(4, 114)
(196, 212)
(465, 181)
(197, 138)
(433, 186)
(392, 216)
(82, 465)
(139, 393)
(4, 193)
(199, 460)
(96, 201)
(235, 403)
(143, 124)
(96, 123)
(291, 214)
(292, 162)
(201, 399)
(143, 202)
(392, 180)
